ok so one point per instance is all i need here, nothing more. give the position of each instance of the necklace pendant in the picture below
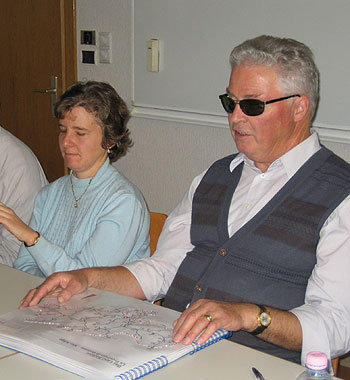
(76, 200)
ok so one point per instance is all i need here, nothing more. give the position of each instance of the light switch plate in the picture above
(153, 55)
(105, 56)
(104, 40)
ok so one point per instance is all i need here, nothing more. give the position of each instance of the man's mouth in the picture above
(241, 133)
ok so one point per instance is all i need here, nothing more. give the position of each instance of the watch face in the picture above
(265, 319)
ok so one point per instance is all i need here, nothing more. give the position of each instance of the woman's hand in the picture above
(16, 226)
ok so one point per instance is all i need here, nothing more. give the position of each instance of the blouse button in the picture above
(199, 288)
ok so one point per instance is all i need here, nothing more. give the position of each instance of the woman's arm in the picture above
(120, 230)
(16, 226)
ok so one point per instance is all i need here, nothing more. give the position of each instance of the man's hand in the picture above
(206, 316)
(229, 316)
(62, 285)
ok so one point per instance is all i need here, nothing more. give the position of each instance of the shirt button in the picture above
(223, 252)
(199, 288)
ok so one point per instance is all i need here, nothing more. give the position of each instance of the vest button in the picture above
(223, 252)
(199, 288)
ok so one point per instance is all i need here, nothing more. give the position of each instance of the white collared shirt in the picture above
(325, 316)
(21, 178)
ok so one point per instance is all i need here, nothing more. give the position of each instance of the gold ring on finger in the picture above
(208, 317)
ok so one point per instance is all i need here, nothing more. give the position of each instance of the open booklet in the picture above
(98, 335)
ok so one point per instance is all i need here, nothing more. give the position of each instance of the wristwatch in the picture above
(264, 320)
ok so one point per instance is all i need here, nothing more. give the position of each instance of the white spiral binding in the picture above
(144, 369)
(218, 335)
(162, 361)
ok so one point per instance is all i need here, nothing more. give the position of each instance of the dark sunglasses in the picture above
(251, 107)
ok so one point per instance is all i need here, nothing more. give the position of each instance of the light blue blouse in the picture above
(109, 227)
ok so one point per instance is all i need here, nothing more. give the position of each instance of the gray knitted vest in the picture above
(269, 260)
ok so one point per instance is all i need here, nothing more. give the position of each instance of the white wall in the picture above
(166, 155)
(197, 36)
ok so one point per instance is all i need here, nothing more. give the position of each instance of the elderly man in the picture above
(260, 243)
(21, 178)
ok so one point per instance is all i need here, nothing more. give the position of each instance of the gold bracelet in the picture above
(34, 242)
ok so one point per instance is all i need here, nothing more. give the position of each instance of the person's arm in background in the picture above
(21, 180)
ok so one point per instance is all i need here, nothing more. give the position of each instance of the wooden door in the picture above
(37, 39)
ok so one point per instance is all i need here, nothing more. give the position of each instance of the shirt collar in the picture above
(291, 161)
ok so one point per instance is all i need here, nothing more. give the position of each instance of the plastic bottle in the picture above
(316, 367)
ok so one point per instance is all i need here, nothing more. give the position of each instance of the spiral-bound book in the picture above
(98, 335)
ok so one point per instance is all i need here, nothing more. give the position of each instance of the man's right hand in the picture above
(62, 285)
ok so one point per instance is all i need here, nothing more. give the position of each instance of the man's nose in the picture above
(237, 115)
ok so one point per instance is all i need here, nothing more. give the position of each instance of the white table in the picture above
(220, 361)
(13, 286)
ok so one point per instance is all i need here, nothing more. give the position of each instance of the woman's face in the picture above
(80, 141)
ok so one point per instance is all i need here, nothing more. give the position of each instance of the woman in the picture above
(94, 216)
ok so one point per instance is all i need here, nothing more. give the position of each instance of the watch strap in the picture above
(260, 328)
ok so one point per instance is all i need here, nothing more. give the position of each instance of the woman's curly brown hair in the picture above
(107, 106)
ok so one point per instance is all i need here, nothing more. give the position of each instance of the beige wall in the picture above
(166, 155)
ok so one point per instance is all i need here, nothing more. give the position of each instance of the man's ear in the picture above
(301, 108)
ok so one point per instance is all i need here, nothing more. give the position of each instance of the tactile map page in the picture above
(102, 330)
(140, 325)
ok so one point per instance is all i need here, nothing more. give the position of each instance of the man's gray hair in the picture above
(294, 60)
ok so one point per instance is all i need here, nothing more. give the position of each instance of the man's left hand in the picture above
(207, 316)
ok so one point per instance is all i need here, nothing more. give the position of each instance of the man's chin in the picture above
(245, 145)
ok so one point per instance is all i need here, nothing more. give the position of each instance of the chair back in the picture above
(335, 365)
(156, 226)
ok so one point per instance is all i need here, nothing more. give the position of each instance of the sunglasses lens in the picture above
(227, 103)
(252, 107)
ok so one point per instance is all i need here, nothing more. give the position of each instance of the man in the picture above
(21, 178)
(260, 244)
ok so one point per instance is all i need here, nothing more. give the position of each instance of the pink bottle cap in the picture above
(316, 360)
